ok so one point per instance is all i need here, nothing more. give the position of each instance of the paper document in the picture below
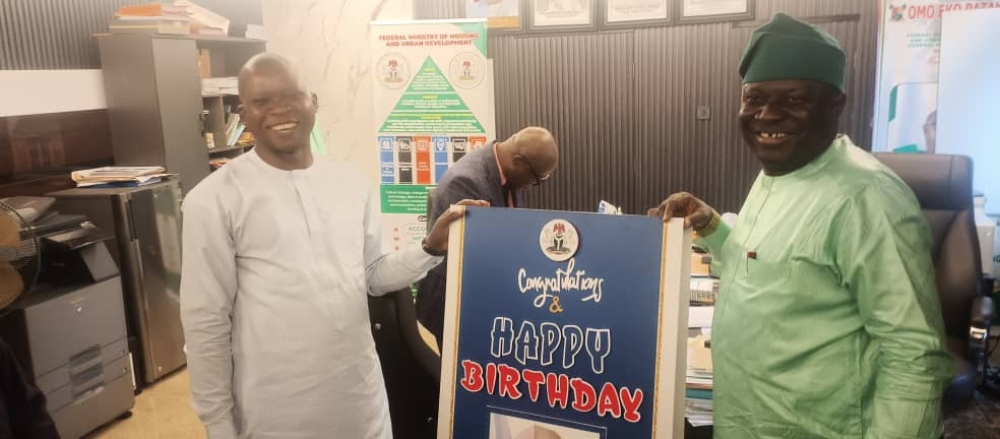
(700, 316)
(118, 173)
(119, 176)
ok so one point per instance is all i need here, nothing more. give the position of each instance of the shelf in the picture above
(218, 39)
(157, 76)
(227, 44)
(210, 39)
(227, 149)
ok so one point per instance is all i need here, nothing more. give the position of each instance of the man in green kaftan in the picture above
(828, 323)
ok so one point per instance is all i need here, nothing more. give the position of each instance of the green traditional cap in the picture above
(786, 48)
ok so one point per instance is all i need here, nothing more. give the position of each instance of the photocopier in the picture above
(69, 332)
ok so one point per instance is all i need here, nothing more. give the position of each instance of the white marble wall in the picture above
(329, 40)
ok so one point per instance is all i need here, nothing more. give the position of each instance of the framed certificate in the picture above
(617, 14)
(707, 11)
(501, 15)
(562, 15)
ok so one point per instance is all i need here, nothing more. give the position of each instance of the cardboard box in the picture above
(204, 63)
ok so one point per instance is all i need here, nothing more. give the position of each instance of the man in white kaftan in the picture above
(280, 250)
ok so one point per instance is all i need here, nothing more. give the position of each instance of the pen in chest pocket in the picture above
(750, 255)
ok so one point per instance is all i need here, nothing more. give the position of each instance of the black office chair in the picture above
(943, 186)
(405, 358)
(430, 360)
(411, 369)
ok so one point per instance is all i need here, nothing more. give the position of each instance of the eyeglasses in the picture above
(538, 179)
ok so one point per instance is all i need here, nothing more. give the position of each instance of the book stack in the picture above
(152, 18)
(220, 86)
(698, 407)
(119, 176)
(203, 21)
(698, 401)
(704, 290)
(181, 17)
(256, 32)
(234, 129)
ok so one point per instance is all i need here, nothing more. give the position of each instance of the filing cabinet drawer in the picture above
(80, 362)
(95, 409)
(88, 382)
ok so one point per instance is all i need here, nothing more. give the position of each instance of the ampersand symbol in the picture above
(555, 308)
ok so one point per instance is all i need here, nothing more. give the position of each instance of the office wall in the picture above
(43, 143)
(58, 34)
(51, 91)
(968, 92)
(53, 34)
(330, 41)
(623, 104)
(51, 114)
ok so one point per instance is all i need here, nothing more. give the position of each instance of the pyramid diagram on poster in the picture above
(431, 105)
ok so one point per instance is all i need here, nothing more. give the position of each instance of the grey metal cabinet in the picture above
(154, 103)
(147, 247)
(153, 86)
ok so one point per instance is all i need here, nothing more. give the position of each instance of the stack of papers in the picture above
(154, 10)
(119, 176)
(234, 129)
(215, 86)
(698, 407)
(203, 21)
(699, 356)
(698, 401)
(256, 32)
(181, 17)
(608, 208)
(704, 290)
(154, 18)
